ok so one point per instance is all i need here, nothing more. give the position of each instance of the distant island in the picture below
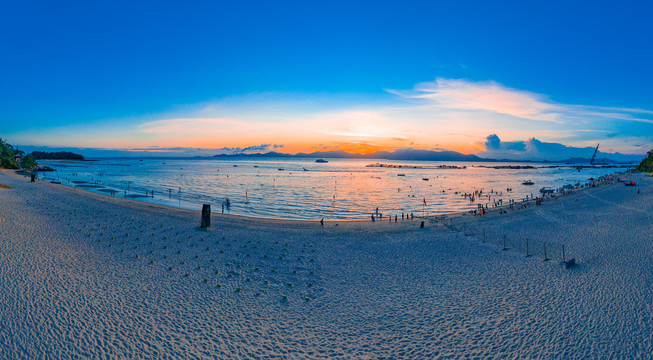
(59, 155)
(402, 154)
(407, 155)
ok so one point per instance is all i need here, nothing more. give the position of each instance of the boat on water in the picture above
(401, 174)
(321, 161)
(631, 183)
(281, 169)
(425, 179)
(528, 182)
(546, 190)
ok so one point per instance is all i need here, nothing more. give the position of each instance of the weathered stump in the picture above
(206, 216)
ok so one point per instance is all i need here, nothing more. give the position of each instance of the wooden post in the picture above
(421, 225)
(504, 242)
(527, 248)
(206, 216)
(546, 258)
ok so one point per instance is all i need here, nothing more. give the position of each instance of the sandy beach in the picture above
(83, 275)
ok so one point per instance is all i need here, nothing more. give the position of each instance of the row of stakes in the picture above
(565, 262)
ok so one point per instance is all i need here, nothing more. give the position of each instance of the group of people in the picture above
(405, 216)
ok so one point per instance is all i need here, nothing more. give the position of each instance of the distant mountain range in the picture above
(402, 154)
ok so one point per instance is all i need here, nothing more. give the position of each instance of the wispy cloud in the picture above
(456, 94)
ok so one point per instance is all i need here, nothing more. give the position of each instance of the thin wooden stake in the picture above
(545, 257)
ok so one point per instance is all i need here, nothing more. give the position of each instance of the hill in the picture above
(402, 154)
(59, 155)
(647, 164)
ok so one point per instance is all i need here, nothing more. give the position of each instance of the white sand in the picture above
(83, 275)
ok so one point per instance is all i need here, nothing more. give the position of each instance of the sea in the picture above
(293, 188)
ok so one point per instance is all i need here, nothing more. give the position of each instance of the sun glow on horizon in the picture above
(445, 114)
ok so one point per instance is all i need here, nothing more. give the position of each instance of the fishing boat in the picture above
(401, 174)
(546, 190)
(528, 182)
(321, 161)
(425, 179)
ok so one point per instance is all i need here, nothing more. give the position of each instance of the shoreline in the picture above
(418, 217)
(305, 196)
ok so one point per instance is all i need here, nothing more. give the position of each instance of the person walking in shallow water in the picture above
(322, 222)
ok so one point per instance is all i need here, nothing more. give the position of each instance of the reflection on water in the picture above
(303, 189)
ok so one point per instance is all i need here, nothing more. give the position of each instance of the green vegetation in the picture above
(7, 153)
(59, 155)
(647, 164)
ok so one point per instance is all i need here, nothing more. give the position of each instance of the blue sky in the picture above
(105, 74)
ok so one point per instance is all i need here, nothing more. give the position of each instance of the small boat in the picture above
(401, 174)
(304, 169)
(321, 161)
(528, 182)
(631, 183)
(546, 190)
(281, 169)
(425, 179)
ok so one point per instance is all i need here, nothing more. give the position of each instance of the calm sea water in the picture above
(303, 189)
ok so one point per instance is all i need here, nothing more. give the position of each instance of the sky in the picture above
(205, 77)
